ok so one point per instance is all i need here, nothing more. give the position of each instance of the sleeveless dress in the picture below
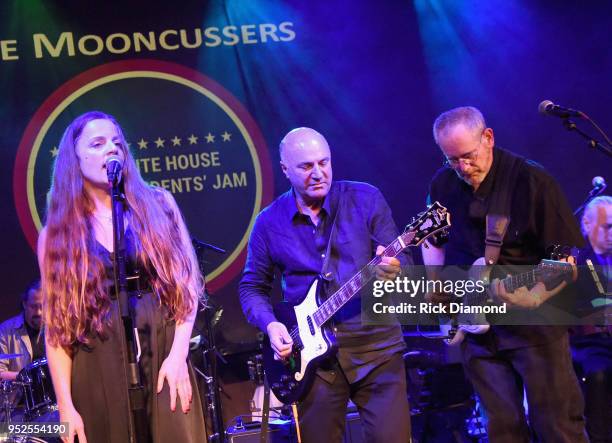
(99, 381)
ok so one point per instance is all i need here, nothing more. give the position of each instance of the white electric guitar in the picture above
(308, 321)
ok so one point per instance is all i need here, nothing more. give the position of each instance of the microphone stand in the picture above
(209, 355)
(136, 396)
(592, 142)
(213, 397)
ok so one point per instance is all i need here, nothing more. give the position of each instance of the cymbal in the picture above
(9, 356)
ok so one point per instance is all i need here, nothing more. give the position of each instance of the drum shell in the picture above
(38, 394)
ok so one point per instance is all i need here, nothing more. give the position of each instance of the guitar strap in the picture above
(498, 216)
(334, 204)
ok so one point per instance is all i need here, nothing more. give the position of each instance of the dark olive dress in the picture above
(99, 381)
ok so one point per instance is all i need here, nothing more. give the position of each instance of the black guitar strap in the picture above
(498, 216)
(334, 205)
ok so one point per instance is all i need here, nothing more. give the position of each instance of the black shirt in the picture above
(539, 217)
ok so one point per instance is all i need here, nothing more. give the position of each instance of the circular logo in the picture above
(188, 135)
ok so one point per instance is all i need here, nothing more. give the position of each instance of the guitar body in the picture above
(476, 323)
(457, 333)
(290, 379)
(462, 323)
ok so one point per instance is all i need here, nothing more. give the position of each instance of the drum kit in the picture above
(27, 399)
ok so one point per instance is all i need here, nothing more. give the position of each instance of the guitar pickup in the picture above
(297, 344)
(310, 325)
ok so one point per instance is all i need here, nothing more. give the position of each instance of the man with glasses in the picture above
(508, 360)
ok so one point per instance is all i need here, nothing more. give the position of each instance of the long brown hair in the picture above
(76, 300)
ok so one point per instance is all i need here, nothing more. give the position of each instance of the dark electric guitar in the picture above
(471, 323)
(307, 322)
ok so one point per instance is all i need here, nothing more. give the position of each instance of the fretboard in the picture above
(359, 280)
(541, 273)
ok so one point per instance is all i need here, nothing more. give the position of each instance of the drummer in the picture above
(21, 334)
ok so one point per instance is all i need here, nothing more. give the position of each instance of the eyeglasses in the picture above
(468, 159)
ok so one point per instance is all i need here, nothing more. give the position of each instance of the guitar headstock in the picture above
(434, 220)
(560, 252)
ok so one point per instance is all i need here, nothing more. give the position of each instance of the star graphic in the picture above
(226, 136)
(54, 151)
(160, 142)
(210, 138)
(142, 144)
(176, 141)
(192, 139)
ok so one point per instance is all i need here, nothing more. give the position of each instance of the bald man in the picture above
(351, 222)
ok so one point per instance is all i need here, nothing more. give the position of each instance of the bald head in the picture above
(300, 139)
(306, 162)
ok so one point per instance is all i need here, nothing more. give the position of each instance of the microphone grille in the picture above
(598, 181)
(114, 158)
(543, 105)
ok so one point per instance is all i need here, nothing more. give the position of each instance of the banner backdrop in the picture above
(206, 90)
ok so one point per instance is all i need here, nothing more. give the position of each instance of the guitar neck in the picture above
(542, 272)
(359, 280)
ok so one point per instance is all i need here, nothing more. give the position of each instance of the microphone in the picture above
(113, 169)
(599, 186)
(549, 108)
(598, 182)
